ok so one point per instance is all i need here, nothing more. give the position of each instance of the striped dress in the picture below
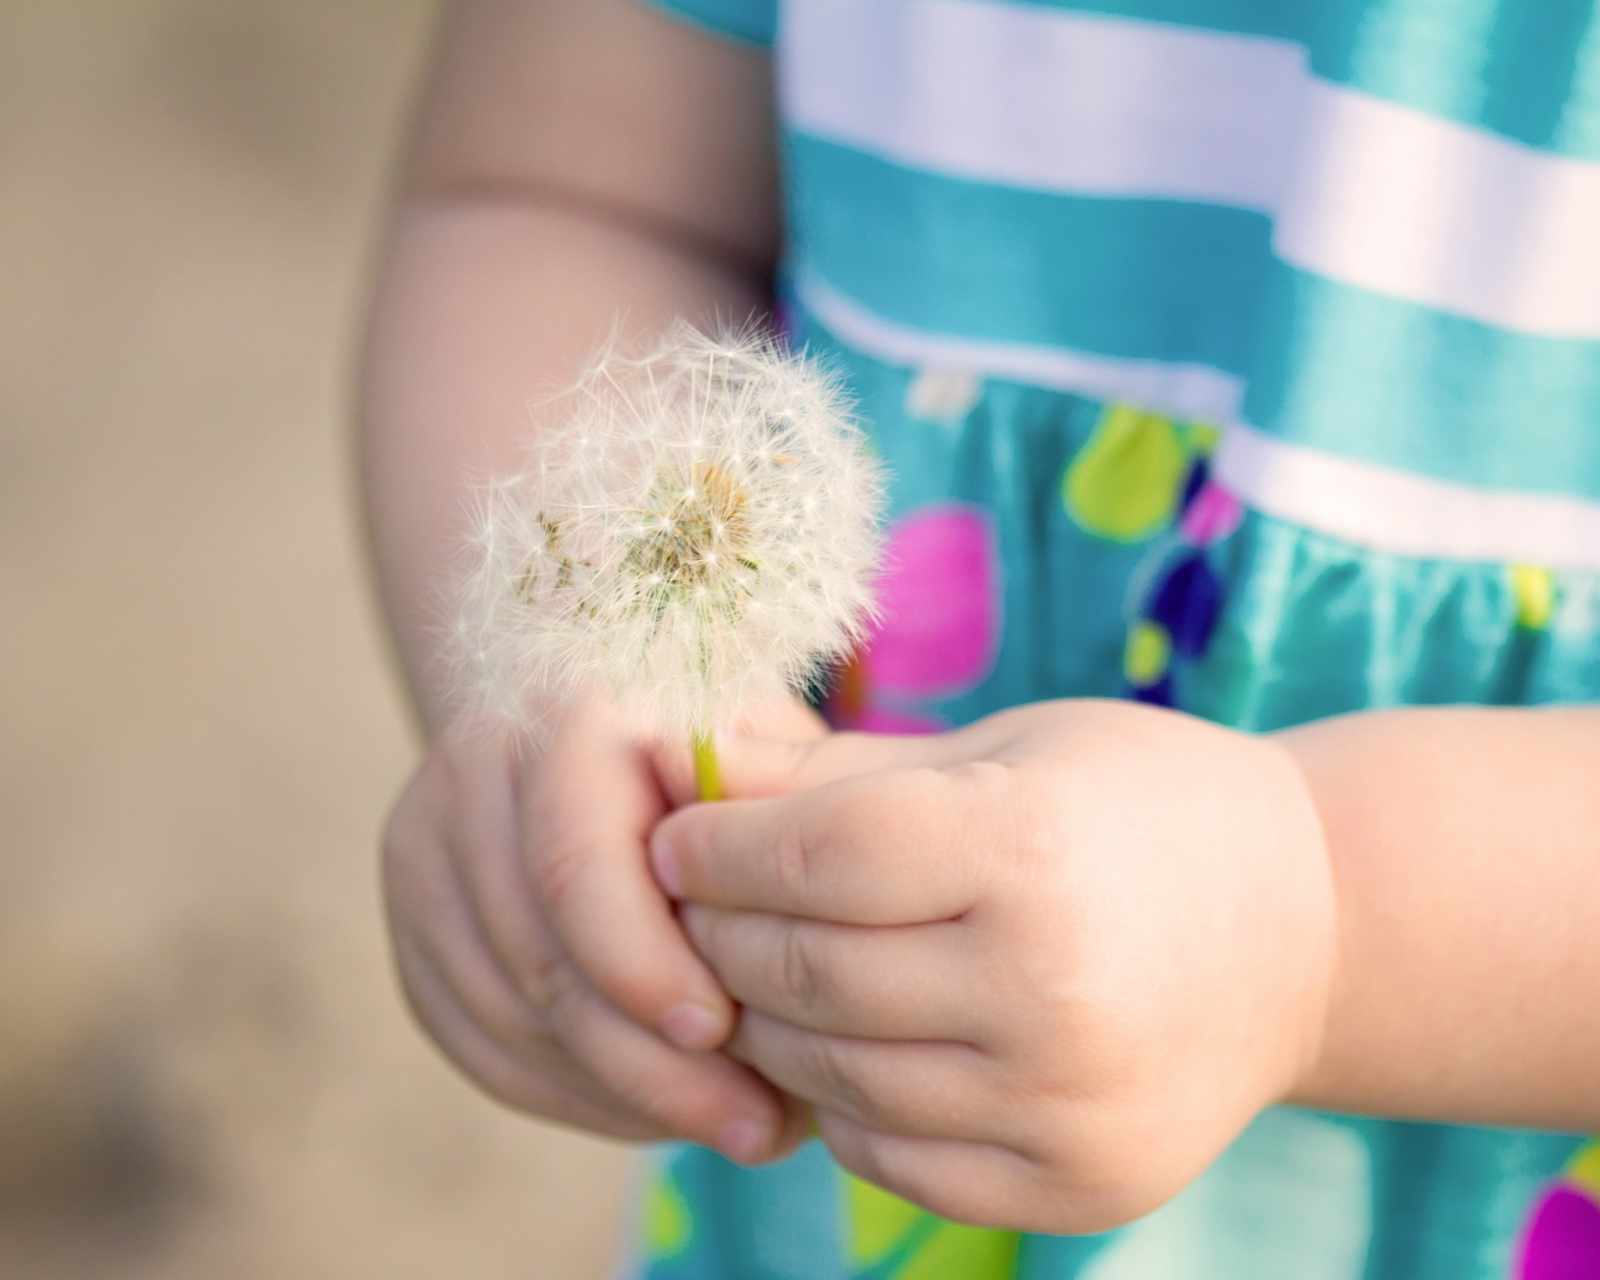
(1236, 355)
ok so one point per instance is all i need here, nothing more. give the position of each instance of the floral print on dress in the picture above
(1561, 1240)
(1533, 590)
(1134, 472)
(1138, 476)
(891, 1239)
(939, 629)
(667, 1222)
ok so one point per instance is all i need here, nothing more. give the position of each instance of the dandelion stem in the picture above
(707, 774)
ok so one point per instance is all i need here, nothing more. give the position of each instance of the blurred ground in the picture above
(204, 1068)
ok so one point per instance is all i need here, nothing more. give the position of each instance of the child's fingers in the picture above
(970, 1182)
(930, 1089)
(584, 818)
(543, 1088)
(898, 847)
(570, 1046)
(706, 1098)
(918, 982)
(556, 841)
(465, 999)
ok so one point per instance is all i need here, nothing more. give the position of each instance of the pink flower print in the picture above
(940, 626)
(940, 599)
(1561, 1240)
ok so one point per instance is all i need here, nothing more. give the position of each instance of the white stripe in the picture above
(1424, 209)
(1193, 392)
(1370, 505)
(1365, 191)
(1403, 513)
(1039, 98)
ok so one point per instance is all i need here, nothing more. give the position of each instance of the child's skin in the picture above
(1035, 973)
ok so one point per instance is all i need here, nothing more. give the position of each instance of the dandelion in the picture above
(694, 534)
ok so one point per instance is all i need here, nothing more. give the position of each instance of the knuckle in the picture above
(841, 1084)
(792, 855)
(858, 1152)
(511, 1026)
(799, 975)
(552, 989)
(517, 941)
(501, 1012)
(555, 870)
(643, 976)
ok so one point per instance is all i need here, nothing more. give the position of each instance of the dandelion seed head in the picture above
(696, 531)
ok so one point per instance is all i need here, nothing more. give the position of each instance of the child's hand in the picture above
(535, 947)
(1037, 973)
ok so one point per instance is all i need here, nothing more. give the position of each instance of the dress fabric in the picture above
(1241, 356)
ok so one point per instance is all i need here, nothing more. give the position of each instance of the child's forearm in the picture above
(1466, 853)
(581, 165)
(483, 309)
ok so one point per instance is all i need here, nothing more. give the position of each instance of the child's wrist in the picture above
(1308, 844)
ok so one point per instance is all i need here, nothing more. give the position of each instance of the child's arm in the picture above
(1465, 847)
(578, 164)
(1039, 972)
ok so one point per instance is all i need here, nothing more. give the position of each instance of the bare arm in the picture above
(577, 164)
(1465, 846)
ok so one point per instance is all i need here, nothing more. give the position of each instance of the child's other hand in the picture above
(535, 947)
(1036, 973)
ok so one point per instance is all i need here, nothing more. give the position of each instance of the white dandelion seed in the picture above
(695, 533)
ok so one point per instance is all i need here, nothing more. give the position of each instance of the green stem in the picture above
(707, 774)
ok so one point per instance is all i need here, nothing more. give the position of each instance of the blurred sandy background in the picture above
(205, 1070)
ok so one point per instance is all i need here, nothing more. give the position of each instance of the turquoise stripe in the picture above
(753, 21)
(1528, 70)
(1334, 367)
(1360, 375)
(1151, 279)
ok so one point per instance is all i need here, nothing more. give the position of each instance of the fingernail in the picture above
(691, 1026)
(743, 1140)
(664, 862)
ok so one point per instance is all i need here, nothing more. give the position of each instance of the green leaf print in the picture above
(1125, 482)
(668, 1220)
(890, 1239)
